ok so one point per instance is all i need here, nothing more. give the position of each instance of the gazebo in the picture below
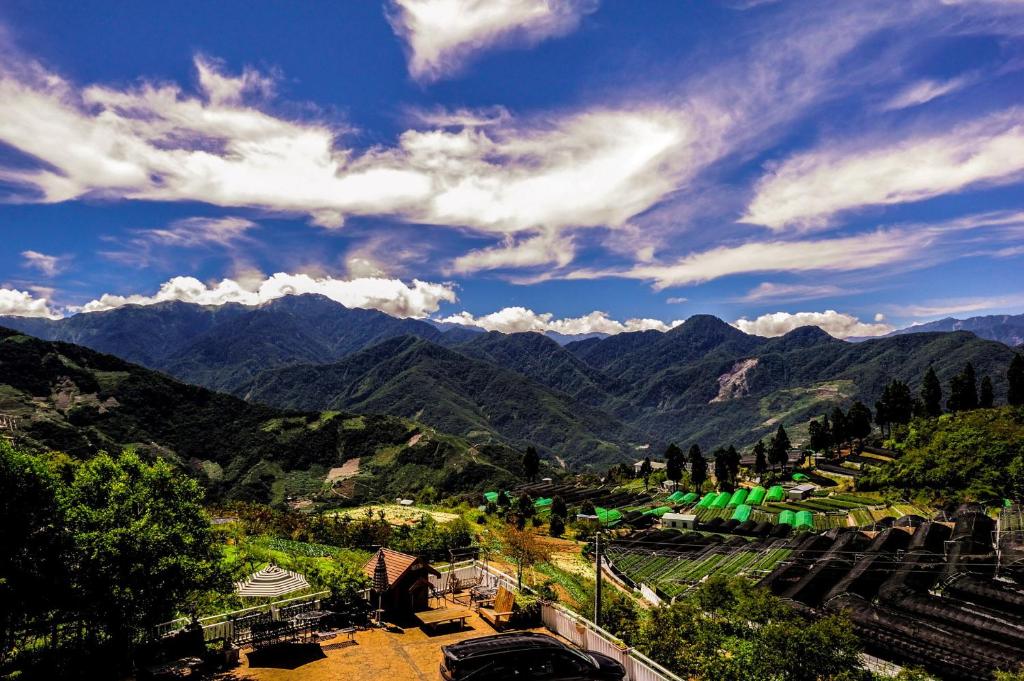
(407, 587)
(271, 582)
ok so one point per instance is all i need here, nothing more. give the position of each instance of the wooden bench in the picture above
(499, 614)
(432, 618)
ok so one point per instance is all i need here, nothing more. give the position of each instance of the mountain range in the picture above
(587, 403)
(1008, 329)
(78, 401)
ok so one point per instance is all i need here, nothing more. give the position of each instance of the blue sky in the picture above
(572, 165)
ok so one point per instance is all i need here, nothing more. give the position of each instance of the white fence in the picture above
(649, 595)
(589, 636)
(215, 626)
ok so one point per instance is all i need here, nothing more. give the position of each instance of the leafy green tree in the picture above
(778, 449)
(32, 566)
(985, 397)
(760, 459)
(1015, 381)
(522, 547)
(898, 403)
(531, 463)
(558, 506)
(141, 543)
(503, 500)
(524, 505)
(674, 464)
(698, 468)
(931, 394)
(858, 420)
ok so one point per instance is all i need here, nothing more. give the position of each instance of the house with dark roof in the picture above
(408, 582)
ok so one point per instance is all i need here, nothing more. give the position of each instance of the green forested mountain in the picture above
(589, 402)
(78, 401)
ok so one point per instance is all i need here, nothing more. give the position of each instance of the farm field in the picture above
(395, 514)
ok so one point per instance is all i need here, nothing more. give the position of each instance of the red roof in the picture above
(397, 564)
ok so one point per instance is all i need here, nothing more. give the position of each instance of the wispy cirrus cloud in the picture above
(807, 190)
(838, 324)
(142, 247)
(443, 36)
(924, 91)
(768, 290)
(46, 265)
(936, 309)
(543, 249)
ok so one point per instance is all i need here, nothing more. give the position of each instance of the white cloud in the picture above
(521, 319)
(953, 306)
(48, 265)
(879, 317)
(543, 249)
(200, 231)
(768, 290)
(24, 304)
(441, 36)
(807, 190)
(924, 91)
(677, 300)
(843, 254)
(838, 324)
(592, 168)
(392, 296)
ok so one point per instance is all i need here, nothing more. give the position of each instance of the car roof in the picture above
(486, 645)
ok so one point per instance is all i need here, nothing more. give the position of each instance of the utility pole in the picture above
(597, 576)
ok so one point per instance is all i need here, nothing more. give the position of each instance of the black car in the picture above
(525, 657)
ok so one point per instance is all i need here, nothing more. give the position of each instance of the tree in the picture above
(556, 527)
(760, 460)
(645, 471)
(839, 434)
(721, 469)
(587, 508)
(733, 464)
(531, 463)
(522, 547)
(858, 420)
(897, 403)
(963, 390)
(1015, 381)
(142, 544)
(698, 468)
(778, 449)
(524, 505)
(503, 500)
(819, 437)
(558, 506)
(674, 464)
(931, 394)
(985, 397)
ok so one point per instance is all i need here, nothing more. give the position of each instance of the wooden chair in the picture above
(501, 612)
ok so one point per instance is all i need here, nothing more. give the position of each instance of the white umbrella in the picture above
(271, 582)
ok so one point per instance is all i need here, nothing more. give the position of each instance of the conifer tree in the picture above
(931, 394)
(779, 448)
(531, 463)
(760, 460)
(859, 420)
(698, 468)
(985, 396)
(674, 464)
(1015, 379)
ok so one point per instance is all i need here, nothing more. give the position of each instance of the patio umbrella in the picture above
(380, 579)
(271, 582)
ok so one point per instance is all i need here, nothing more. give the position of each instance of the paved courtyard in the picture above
(411, 654)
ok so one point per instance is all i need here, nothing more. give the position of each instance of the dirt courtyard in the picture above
(375, 655)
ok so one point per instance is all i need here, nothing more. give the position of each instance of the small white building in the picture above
(801, 492)
(679, 521)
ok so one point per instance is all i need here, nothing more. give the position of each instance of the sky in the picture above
(567, 165)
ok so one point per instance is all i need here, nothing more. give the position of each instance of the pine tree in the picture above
(985, 396)
(733, 462)
(760, 460)
(645, 471)
(859, 420)
(1015, 379)
(779, 448)
(882, 417)
(531, 463)
(674, 464)
(839, 434)
(698, 468)
(931, 394)
(558, 506)
(721, 469)
(557, 526)
(970, 387)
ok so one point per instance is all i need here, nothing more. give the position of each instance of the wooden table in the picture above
(432, 618)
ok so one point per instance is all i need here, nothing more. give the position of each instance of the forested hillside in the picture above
(75, 400)
(591, 402)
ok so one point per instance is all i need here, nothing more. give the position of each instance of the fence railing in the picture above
(211, 620)
(587, 635)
